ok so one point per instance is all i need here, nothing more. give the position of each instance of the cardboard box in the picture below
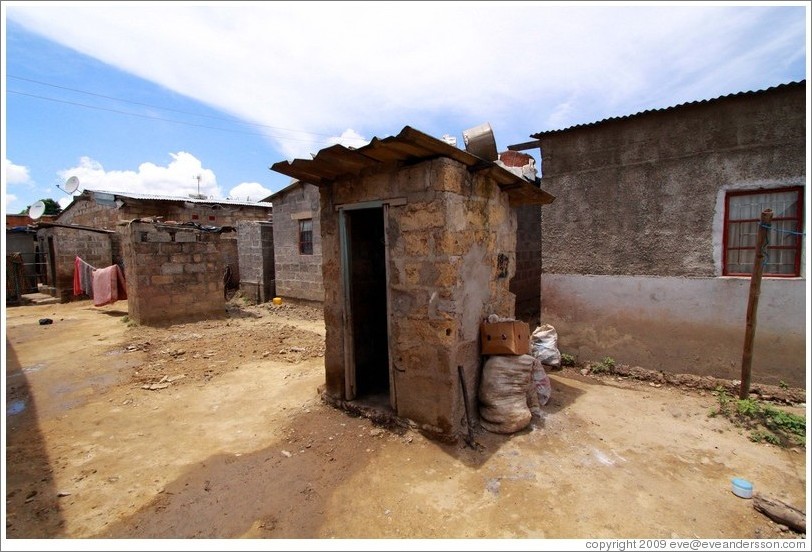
(505, 338)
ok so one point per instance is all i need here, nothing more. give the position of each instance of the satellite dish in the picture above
(37, 210)
(71, 184)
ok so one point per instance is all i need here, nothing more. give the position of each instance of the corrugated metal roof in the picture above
(409, 146)
(801, 83)
(156, 197)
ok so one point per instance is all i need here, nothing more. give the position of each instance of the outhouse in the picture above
(418, 247)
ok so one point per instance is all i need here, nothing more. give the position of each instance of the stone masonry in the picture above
(444, 279)
(174, 274)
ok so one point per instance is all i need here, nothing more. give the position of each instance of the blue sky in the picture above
(146, 96)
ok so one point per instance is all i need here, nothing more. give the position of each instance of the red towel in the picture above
(77, 286)
(108, 285)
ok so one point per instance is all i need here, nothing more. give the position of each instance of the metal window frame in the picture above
(798, 247)
(303, 242)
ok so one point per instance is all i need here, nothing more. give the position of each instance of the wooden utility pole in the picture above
(752, 301)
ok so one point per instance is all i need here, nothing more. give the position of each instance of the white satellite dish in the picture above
(37, 210)
(72, 184)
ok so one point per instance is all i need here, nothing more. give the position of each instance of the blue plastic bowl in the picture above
(742, 488)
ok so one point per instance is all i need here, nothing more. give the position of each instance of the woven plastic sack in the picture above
(544, 345)
(503, 393)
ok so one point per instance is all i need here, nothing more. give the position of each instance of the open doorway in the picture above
(366, 263)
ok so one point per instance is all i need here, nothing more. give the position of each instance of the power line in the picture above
(163, 119)
(232, 119)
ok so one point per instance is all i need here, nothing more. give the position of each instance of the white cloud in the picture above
(64, 201)
(309, 71)
(349, 138)
(178, 178)
(16, 174)
(249, 191)
(561, 116)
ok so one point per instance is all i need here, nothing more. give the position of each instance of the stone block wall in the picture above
(297, 275)
(84, 211)
(255, 250)
(446, 236)
(95, 248)
(173, 274)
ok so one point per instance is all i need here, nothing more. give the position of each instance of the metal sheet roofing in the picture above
(796, 84)
(187, 199)
(410, 146)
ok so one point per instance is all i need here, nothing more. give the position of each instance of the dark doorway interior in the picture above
(51, 261)
(368, 292)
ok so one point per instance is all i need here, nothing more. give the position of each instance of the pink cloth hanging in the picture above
(109, 285)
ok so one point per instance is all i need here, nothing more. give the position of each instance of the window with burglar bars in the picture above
(742, 219)
(306, 237)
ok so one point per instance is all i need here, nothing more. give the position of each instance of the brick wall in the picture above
(297, 275)
(173, 274)
(525, 284)
(256, 260)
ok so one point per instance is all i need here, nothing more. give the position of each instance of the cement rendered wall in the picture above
(643, 197)
(297, 275)
(443, 280)
(679, 325)
(173, 275)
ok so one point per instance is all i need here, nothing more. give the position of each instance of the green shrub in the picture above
(766, 422)
(606, 365)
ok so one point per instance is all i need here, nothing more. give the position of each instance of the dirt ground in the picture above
(215, 429)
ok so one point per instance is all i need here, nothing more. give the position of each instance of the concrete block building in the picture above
(648, 250)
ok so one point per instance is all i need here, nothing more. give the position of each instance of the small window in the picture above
(306, 236)
(195, 217)
(742, 218)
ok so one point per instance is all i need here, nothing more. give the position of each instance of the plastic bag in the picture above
(541, 383)
(544, 346)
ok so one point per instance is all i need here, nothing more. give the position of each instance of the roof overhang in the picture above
(410, 146)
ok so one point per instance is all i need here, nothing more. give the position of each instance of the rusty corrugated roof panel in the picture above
(409, 146)
(801, 83)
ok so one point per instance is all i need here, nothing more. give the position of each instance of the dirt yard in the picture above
(215, 429)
